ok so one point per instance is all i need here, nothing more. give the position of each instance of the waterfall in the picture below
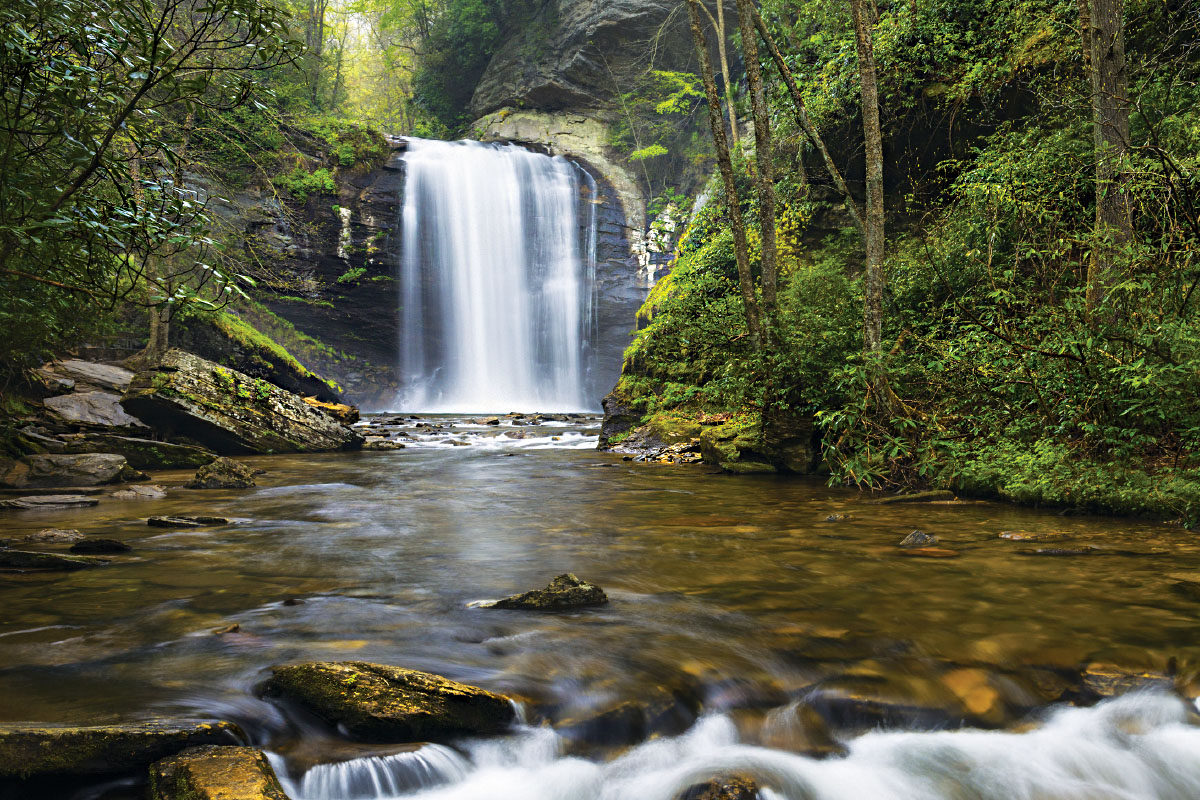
(496, 279)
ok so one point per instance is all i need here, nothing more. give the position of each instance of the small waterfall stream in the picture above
(497, 279)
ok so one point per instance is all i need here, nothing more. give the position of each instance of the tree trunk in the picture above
(763, 155)
(716, 121)
(873, 138)
(1110, 127)
(718, 23)
(810, 132)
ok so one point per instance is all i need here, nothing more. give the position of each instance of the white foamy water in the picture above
(496, 279)
(1139, 747)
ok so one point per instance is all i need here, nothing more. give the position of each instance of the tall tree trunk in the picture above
(873, 137)
(1110, 127)
(718, 23)
(716, 121)
(763, 155)
(810, 132)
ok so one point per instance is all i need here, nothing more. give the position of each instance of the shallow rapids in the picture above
(1138, 747)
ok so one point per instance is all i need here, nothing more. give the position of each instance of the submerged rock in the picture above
(100, 547)
(379, 703)
(1028, 536)
(725, 787)
(919, 539)
(53, 536)
(565, 591)
(929, 552)
(140, 493)
(186, 522)
(37, 502)
(48, 471)
(215, 773)
(657, 711)
(28, 751)
(47, 562)
(222, 473)
(932, 496)
(229, 411)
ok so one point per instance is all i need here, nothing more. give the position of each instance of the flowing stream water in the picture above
(496, 279)
(735, 606)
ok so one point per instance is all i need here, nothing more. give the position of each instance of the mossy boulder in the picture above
(215, 773)
(564, 592)
(379, 703)
(222, 473)
(736, 446)
(230, 412)
(33, 751)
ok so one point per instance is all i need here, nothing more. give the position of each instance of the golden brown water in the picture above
(737, 579)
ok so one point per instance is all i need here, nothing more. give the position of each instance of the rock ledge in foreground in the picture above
(380, 703)
(28, 751)
(565, 591)
(215, 773)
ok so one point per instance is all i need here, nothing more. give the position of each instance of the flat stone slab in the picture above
(92, 408)
(44, 501)
(186, 522)
(30, 750)
(380, 703)
(52, 471)
(215, 773)
(90, 373)
(26, 560)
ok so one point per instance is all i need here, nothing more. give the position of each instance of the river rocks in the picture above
(140, 493)
(1187, 589)
(52, 470)
(656, 711)
(185, 522)
(725, 787)
(378, 703)
(215, 773)
(23, 561)
(45, 501)
(102, 409)
(222, 473)
(346, 415)
(28, 751)
(1083, 550)
(919, 539)
(230, 412)
(564, 592)
(1033, 536)
(99, 547)
(53, 536)
(1109, 680)
(380, 443)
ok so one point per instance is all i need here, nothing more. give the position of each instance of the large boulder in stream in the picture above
(230, 412)
(40, 751)
(55, 470)
(379, 703)
(564, 592)
(215, 773)
(222, 473)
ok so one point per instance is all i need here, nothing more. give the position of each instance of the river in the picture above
(734, 603)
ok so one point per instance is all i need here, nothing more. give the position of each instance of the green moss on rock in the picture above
(380, 703)
(565, 591)
(215, 773)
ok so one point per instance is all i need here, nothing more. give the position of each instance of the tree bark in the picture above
(716, 122)
(1110, 127)
(718, 23)
(873, 138)
(763, 155)
(810, 132)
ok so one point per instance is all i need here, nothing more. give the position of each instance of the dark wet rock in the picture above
(215, 773)
(379, 703)
(932, 496)
(725, 787)
(929, 552)
(99, 547)
(920, 539)
(376, 443)
(799, 728)
(186, 522)
(54, 471)
(839, 517)
(28, 751)
(222, 473)
(1188, 589)
(224, 629)
(45, 562)
(345, 414)
(657, 711)
(293, 601)
(140, 493)
(1110, 680)
(139, 452)
(857, 705)
(53, 536)
(619, 419)
(100, 409)
(564, 592)
(737, 447)
(1085, 550)
(228, 411)
(44, 501)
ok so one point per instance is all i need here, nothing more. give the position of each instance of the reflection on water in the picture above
(736, 588)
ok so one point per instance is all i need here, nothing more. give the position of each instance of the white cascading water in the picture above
(1138, 747)
(496, 279)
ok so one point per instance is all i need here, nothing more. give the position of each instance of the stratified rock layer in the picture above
(379, 703)
(230, 412)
